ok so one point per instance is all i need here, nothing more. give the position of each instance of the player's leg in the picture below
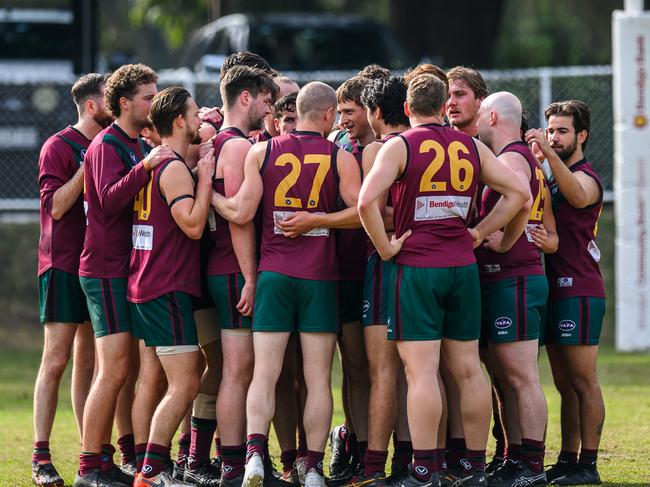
(83, 368)
(402, 445)
(123, 410)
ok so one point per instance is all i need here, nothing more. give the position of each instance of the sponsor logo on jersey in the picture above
(529, 231)
(82, 154)
(594, 251)
(315, 232)
(441, 207)
(566, 325)
(142, 237)
(132, 157)
(565, 282)
(492, 268)
(503, 322)
(212, 220)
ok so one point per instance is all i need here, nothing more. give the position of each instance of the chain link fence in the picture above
(37, 104)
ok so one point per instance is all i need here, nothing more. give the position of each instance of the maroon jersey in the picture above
(351, 244)
(370, 248)
(61, 241)
(261, 136)
(433, 197)
(299, 174)
(573, 270)
(524, 258)
(222, 259)
(113, 176)
(164, 258)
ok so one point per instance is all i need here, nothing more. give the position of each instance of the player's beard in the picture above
(103, 119)
(193, 137)
(255, 121)
(566, 152)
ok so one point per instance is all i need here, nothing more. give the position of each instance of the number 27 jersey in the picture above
(434, 197)
(299, 174)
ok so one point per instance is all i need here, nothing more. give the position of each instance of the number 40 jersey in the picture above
(434, 197)
(299, 174)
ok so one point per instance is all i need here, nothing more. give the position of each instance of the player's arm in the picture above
(545, 235)
(241, 207)
(302, 222)
(502, 241)
(388, 165)
(578, 188)
(233, 155)
(117, 192)
(189, 208)
(367, 160)
(514, 194)
(58, 193)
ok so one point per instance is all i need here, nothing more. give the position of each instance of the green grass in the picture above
(625, 457)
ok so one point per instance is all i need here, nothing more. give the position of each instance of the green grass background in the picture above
(625, 378)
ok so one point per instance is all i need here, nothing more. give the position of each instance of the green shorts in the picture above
(575, 321)
(225, 291)
(284, 303)
(110, 312)
(60, 298)
(429, 303)
(376, 290)
(166, 321)
(350, 301)
(512, 308)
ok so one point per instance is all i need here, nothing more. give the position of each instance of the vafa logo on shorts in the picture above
(503, 322)
(567, 325)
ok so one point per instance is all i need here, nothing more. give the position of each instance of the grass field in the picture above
(624, 461)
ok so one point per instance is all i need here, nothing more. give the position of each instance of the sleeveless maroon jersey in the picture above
(61, 241)
(351, 244)
(261, 136)
(433, 197)
(524, 258)
(573, 270)
(299, 174)
(164, 258)
(370, 248)
(113, 176)
(222, 259)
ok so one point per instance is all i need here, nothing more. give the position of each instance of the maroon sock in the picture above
(154, 460)
(440, 459)
(374, 462)
(233, 459)
(108, 451)
(89, 462)
(456, 449)
(532, 452)
(424, 464)
(588, 457)
(568, 457)
(202, 433)
(41, 452)
(302, 442)
(475, 459)
(255, 444)
(126, 444)
(140, 452)
(402, 453)
(514, 452)
(184, 440)
(314, 460)
(288, 458)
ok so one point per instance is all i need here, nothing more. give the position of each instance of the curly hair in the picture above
(389, 95)
(124, 83)
(374, 71)
(286, 104)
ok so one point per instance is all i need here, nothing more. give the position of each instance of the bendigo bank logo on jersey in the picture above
(142, 237)
(441, 207)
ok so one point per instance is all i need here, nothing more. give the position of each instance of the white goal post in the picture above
(631, 69)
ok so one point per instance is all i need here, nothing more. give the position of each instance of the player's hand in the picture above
(206, 132)
(539, 235)
(539, 144)
(297, 224)
(494, 242)
(246, 302)
(211, 115)
(396, 245)
(149, 142)
(205, 166)
(205, 147)
(157, 156)
(476, 237)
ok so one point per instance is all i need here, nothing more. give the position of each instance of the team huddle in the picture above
(203, 264)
